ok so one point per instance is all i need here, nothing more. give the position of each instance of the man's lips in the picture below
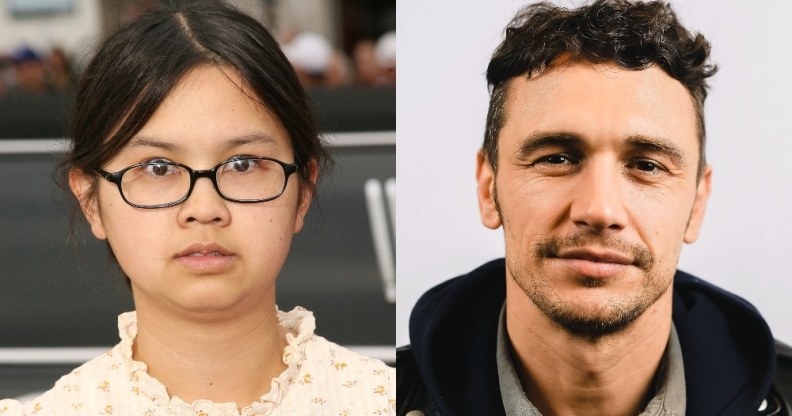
(596, 255)
(595, 263)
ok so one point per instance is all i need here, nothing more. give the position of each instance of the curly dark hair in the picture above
(635, 35)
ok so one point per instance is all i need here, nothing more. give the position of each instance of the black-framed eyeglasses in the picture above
(161, 184)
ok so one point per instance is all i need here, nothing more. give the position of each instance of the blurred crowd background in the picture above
(55, 294)
(331, 43)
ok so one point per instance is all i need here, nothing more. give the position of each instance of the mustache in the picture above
(641, 255)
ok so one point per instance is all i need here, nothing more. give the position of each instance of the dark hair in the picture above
(134, 70)
(635, 35)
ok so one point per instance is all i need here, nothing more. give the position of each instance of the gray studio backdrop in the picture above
(442, 102)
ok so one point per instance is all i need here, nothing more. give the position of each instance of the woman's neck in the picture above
(228, 360)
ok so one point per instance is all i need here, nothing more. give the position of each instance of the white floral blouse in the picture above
(322, 378)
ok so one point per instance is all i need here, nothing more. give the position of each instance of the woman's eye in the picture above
(241, 165)
(160, 169)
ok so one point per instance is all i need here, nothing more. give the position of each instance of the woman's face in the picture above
(206, 255)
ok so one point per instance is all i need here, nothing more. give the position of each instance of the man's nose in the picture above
(599, 200)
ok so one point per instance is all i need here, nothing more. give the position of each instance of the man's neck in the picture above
(233, 361)
(565, 374)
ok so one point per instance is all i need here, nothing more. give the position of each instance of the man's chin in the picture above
(593, 312)
(591, 307)
(594, 325)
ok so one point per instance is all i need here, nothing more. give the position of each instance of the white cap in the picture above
(310, 52)
(385, 51)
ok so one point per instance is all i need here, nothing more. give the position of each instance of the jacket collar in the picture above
(727, 347)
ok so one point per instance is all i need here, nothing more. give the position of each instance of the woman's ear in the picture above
(306, 194)
(81, 184)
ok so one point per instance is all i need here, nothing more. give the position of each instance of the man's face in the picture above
(596, 190)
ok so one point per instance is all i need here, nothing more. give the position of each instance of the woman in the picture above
(195, 156)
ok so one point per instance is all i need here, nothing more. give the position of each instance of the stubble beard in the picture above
(578, 320)
(616, 316)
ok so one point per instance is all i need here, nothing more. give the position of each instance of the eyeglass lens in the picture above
(240, 179)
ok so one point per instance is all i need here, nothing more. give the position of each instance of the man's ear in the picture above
(699, 206)
(306, 195)
(80, 184)
(485, 177)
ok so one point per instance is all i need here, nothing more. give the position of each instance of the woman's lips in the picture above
(206, 257)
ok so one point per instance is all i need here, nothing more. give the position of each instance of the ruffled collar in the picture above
(299, 324)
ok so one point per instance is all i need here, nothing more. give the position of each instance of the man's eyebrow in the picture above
(542, 140)
(660, 145)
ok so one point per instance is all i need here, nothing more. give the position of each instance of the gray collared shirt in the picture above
(669, 398)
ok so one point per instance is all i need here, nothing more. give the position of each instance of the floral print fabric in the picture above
(322, 378)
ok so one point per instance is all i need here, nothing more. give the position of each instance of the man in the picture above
(593, 163)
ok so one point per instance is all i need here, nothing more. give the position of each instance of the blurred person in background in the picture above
(375, 63)
(195, 156)
(27, 72)
(385, 55)
(366, 69)
(316, 62)
(59, 72)
(5, 68)
(30, 74)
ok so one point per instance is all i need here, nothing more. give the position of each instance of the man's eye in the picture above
(557, 159)
(646, 166)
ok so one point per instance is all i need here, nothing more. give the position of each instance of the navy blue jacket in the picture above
(728, 351)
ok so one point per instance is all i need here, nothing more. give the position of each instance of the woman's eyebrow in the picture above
(251, 138)
(148, 141)
(232, 143)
